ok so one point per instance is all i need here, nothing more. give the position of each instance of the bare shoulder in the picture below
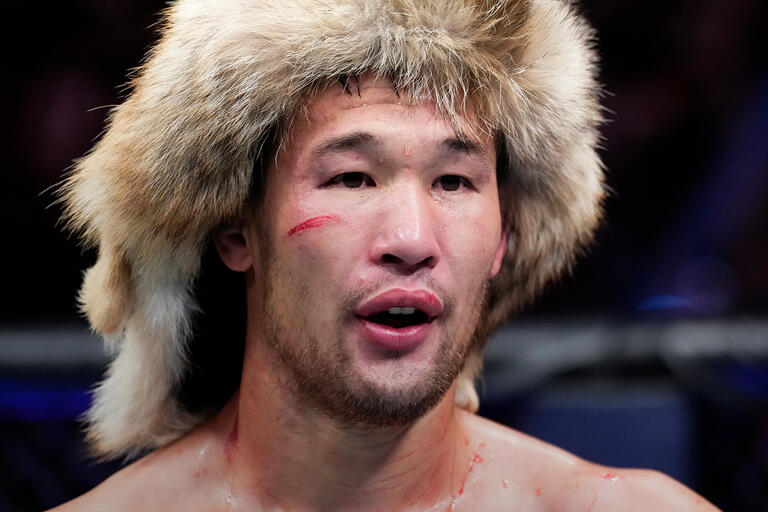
(131, 488)
(546, 477)
(111, 494)
(166, 479)
(607, 489)
(508, 447)
(647, 488)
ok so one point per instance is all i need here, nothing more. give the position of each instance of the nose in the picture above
(406, 241)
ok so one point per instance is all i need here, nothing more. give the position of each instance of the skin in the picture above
(320, 248)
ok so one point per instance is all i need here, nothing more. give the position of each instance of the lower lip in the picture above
(395, 338)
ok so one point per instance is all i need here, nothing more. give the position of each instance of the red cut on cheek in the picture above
(314, 222)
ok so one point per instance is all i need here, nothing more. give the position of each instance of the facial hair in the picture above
(320, 371)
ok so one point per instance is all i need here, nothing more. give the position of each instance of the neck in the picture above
(284, 455)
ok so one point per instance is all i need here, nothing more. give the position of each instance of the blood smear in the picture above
(477, 459)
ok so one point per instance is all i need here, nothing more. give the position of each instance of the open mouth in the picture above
(399, 317)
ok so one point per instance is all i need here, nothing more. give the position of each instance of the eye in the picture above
(352, 180)
(451, 182)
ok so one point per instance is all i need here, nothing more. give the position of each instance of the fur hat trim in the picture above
(176, 159)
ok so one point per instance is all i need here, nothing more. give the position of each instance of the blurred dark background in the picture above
(652, 354)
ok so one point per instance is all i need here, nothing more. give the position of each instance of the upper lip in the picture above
(423, 300)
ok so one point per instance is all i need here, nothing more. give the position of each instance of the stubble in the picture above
(320, 371)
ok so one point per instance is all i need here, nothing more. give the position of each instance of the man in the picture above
(421, 170)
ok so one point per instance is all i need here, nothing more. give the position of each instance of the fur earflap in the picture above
(177, 158)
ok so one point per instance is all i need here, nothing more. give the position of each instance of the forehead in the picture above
(374, 103)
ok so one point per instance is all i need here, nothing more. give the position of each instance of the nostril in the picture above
(391, 258)
(429, 261)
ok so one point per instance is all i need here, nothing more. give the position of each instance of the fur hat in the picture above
(177, 158)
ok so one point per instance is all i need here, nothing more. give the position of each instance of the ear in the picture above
(233, 248)
(501, 250)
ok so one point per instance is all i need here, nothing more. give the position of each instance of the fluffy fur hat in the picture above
(177, 159)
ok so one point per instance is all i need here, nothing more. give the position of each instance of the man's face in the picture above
(380, 231)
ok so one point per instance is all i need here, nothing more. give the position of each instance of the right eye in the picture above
(352, 180)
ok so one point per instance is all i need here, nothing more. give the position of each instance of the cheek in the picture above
(331, 252)
(474, 239)
(316, 245)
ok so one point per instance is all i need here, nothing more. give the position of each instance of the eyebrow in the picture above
(365, 140)
(463, 144)
(348, 142)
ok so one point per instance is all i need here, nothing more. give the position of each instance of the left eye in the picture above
(352, 180)
(451, 182)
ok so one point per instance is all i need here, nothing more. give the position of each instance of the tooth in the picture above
(401, 311)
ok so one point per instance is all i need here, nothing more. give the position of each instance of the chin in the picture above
(395, 398)
(376, 407)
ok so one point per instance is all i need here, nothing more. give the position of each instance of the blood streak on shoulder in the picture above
(608, 477)
(613, 478)
(231, 442)
(314, 222)
(476, 459)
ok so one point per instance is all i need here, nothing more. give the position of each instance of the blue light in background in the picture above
(664, 302)
(27, 399)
